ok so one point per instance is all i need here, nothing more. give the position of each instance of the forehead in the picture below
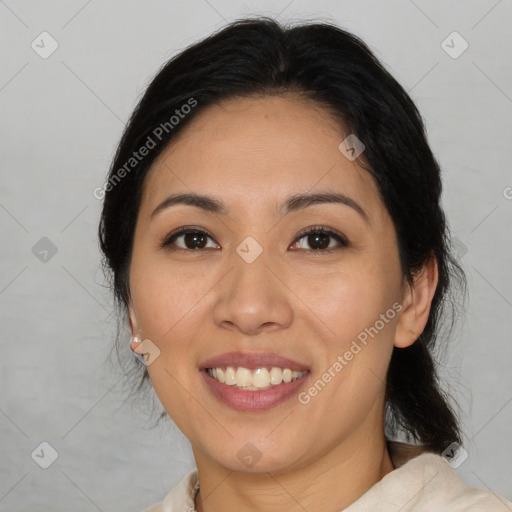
(257, 150)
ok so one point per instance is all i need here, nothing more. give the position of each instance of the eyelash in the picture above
(167, 241)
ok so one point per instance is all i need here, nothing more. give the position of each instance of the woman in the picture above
(273, 227)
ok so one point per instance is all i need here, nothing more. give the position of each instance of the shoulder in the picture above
(423, 481)
(181, 497)
(479, 500)
(448, 490)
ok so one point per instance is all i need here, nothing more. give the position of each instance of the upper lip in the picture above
(251, 361)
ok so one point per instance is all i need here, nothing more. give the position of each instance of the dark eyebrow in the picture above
(206, 203)
(299, 201)
(292, 203)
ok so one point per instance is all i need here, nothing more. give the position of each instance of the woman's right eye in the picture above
(188, 239)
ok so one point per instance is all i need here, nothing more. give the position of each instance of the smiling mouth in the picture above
(254, 380)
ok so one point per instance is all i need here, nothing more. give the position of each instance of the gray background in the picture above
(61, 119)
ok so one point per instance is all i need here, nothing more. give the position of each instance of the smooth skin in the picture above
(303, 303)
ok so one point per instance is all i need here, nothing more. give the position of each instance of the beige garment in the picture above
(421, 482)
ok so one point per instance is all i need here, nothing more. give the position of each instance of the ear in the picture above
(416, 304)
(134, 324)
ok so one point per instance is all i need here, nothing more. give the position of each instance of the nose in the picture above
(252, 299)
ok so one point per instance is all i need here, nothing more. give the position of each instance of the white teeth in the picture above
(243, 377)
(276, 376)
(260, 378)
(230, 376)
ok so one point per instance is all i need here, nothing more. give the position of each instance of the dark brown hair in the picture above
(331, 66)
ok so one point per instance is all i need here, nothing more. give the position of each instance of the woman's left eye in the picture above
(320, 239)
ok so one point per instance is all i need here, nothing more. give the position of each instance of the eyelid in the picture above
(342, 240)
(339, 237)
(168, 239)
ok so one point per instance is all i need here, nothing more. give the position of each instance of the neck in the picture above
(331, 482)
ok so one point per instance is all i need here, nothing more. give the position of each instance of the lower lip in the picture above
(244, 400)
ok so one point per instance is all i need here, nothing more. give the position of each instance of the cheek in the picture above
(166, 297)
(169, 303)
(357, 307)
(350, 298)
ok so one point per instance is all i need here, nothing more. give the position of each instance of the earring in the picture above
(134, 339)
(140, 357)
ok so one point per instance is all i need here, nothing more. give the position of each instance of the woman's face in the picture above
(253, 284)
